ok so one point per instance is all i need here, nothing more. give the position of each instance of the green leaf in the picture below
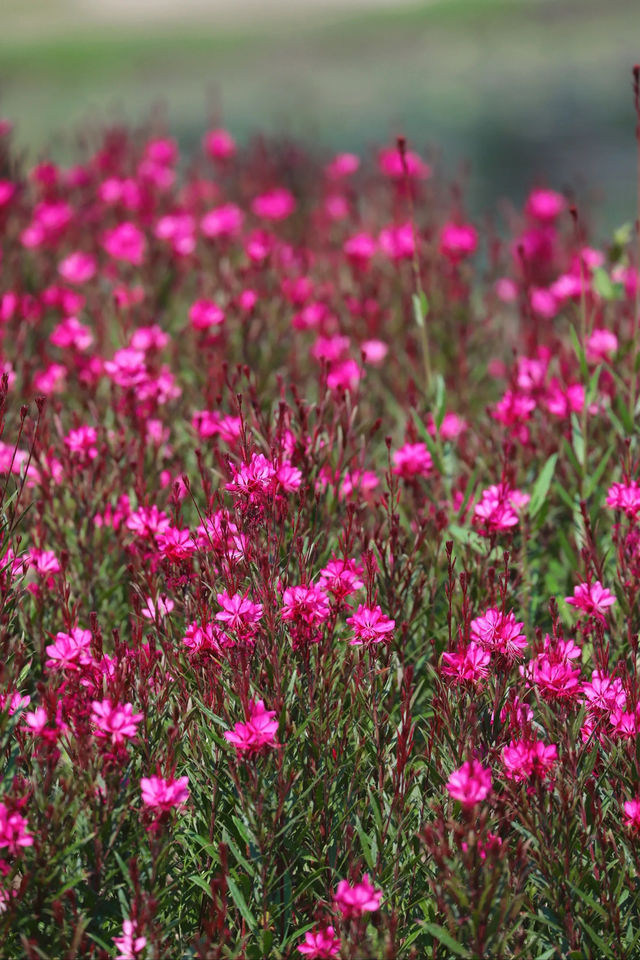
(605, 950)
(577, 441)
(440, 401)
(241, 903)
(541, 486)
(467, 537)
(596, 475)
(605, 286)
(420, 308)
(444, 937)
(579, 349)
(199, 882)
(366, 846)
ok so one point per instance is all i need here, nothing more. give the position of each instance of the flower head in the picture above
(470, 783)
(354, 901)
(592, 599)
(258, 732)
(370, 625)
(320, 944)
(164, 794)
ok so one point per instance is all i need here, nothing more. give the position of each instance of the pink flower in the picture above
(306, 604)
(374, 351)
(225, 221)
(7, 192)
(604, 693)
(370, 625)
(359, 249)
(219, 144)
(592, 598)
(255, 479)
(543, 303)
(15, 702)
(632, 813)
(69, 650)
(164, 794)
(344, 375)
(148, 522)
(238, 612)
(343, 165)
(563, 401)
(354, 901)
(206, 636)
(82, 442)
(601, 345)
(499, 633)
(129, 944)
(205, 314)
(175, 544)
(277, 204)
(397, 242)
(78, 267)
(45, 562)
(13, 831)
(289, 477)
(71, 333)
(259, 731)
(458, 241)
(412, 460)
(470, 663)
(524, 758)
(116, 722)
(125, 242)
(451, 428)
(625, 725)
(512, 409)
(545, 205)
(470, 783)
(391, 165)
(320, 944)
(157, 609)
(341, 578)
(625, 497)
(179, 230)
(497, 509)
(553, 675)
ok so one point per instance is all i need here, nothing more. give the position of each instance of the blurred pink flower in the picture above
(470, 783)
(354, 901)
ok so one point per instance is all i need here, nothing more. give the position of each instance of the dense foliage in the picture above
(320, 562)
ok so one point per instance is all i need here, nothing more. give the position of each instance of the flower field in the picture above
(320, 561)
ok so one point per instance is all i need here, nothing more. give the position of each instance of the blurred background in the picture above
(508, 92)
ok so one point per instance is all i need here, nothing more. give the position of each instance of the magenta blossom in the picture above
(470, 664)
(259, 731)
(524, 758)
(13, 830)
(470, 783)
(499, 633)
(412, 460)
(354, 901)
(130, 943)
(370, 625)
(592, 599)
(458, 241)
(162, 794)
(116, 722)
(238, 612)
(320, 944)
(632, 814)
